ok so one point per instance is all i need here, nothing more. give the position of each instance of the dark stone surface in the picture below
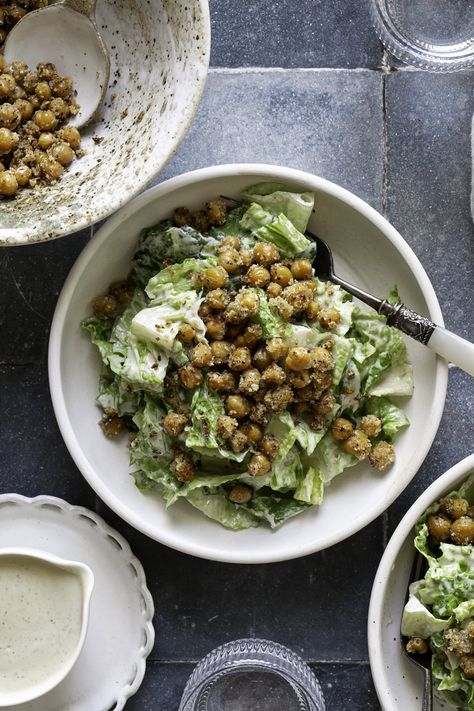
(331, 122)
(278, 33)
(328, 123)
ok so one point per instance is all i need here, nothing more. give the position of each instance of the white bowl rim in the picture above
(187, 118)
(252, 170)
(445, 483)
(87, 584)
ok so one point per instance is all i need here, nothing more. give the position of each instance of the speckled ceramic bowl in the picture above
(159, 52)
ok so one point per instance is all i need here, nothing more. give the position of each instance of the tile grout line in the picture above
(386, 69)
(289, 70)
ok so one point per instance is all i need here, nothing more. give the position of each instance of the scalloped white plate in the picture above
(398, 682)
(120, 636)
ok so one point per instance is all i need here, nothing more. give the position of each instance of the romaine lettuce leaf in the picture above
(276, 229)
(179, 276)
(333, 296)
(116, 394)
(215, 504)
(268, 318)
(275, 509)
(329, 459)
(273, 197)
(311, 488)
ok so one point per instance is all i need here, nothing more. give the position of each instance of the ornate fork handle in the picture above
(408, 321)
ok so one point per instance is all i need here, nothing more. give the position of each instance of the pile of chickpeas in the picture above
(255, 376)
(36, 145)
(452, 523)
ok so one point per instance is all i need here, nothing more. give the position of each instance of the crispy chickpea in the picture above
(200, 221)
(270, 446)
(238, 442)
(8, 183)
(470, 630)
(252, 335)
(326, 404)
(312, 310)
(217, 211)
(258, 276)
(301, 269)
(186, 333)
(439, 526)
(299, 408)
(454, 507)
(245, 257)
(341, 428)
(252, 431)
(299, 295)
(46, 140)
(278, 399)
(25, 108)
(322, 359)
(122, 291)
(281, 275)
(371, 425)
(261, 358)
(62, 86)
(462, 531)
(249, 301)
(220, 351)
(221, 382)
(329, 318)
(229, 259)
(285, 309)
(63, 153)
(217, 299)
(466, 662)
(265, 253)
(204, 309)
(71, 135)
(382, 455)
(8, 141)
(226, 426)
(183, 467)
(277, 348)
(215, 328)
(43, 91)
(357, 444)
(201, 355)
(298, 359)
(112, 425)
(229, 242)
(259, 465)
(240, 494)
(45, 120)
(10, 116)
(190, 377)
(237, 406)
(274, 375)
(22, 174)
(105, 306)
(59, 107)
(215, 277)
(299, 378)
(240, 359)
(259, 413)
(416, 645)
(7, 85)
(182, 216)
(50, 168)
(249, 381)
(174, 423)
(274, 290)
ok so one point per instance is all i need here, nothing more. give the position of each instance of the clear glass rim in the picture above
(423, 55)
(250, 653)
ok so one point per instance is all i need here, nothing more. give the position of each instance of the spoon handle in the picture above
(85, 7)
(447, 344)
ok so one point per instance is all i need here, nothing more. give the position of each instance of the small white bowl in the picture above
(397, 680)
(368, 251)
(159, 55)
(86, 577)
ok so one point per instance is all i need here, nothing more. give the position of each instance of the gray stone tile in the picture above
(294, 603)
(454, 441)
(30, 281)
(34, 458)
(326, 122)
(429, 182)
(345, 686)
(310, 33)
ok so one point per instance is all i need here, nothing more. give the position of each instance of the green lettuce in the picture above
(269, 318)
(266, 227)
(393, 418)
(275, 199)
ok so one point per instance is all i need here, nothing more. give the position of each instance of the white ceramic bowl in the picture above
(86, 577)
(159, 54)
(367, 249)
(398, 682)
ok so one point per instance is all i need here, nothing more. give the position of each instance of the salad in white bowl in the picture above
(245, 383)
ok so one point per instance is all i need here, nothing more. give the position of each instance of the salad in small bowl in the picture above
(246, 383)
(249, 412)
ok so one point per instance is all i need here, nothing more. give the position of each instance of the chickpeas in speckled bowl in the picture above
(159, 54)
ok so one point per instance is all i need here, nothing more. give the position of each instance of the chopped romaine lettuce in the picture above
(393, 418)
(276, 229)
(268, 318)
(273, 197)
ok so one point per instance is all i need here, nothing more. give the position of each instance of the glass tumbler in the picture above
(252, 674)
(436, 35)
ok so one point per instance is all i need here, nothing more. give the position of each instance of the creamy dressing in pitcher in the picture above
(40, 620)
